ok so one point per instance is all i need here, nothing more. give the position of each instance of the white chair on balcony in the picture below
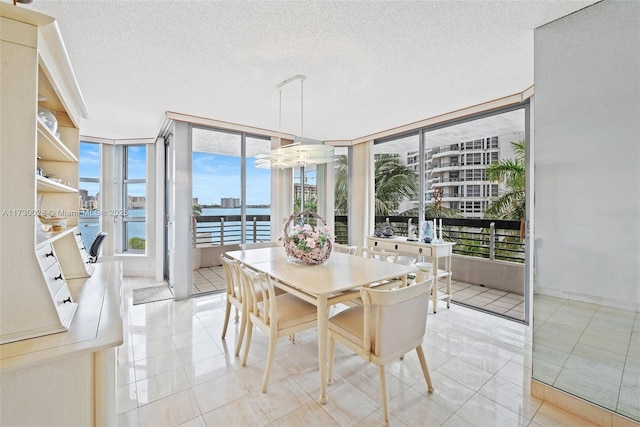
(379, 330)
(276, 315)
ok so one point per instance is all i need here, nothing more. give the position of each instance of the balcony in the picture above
(488, 260)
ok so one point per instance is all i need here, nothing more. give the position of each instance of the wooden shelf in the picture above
(51, 148)
(47, 185)
(43, 238)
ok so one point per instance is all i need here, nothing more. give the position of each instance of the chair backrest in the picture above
(395, 318)
(94, 251)
(257, 245)
(345, 249)
(232, 277)
(260, 294)
(377, 253)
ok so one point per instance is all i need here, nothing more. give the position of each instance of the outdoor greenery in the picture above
(197, 210)
(395, 182)
(511, 203)
(137, 243)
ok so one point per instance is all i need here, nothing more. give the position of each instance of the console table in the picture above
(425, 250)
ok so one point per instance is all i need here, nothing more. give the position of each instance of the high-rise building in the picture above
(230, 202)
(455, 174)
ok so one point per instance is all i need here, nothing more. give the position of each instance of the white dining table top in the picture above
(341, 272)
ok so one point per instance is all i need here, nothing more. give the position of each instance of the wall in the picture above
(587, 153)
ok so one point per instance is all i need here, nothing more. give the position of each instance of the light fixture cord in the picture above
(301, 108)
(280, 118)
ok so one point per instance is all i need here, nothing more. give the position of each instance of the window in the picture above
(220, 199)
(134, 203)
(341, 194)
(89, 192)
(473, 191)
(396, 182)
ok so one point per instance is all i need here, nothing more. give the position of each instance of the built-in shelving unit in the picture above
(60, 315)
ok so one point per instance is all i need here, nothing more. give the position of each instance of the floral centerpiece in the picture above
(306, 243)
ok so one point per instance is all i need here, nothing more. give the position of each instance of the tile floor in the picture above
(174, 370)
(211, 279)
(578, 344)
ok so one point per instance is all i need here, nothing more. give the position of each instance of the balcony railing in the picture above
(490, 239)
(484, 238)
(227, 230)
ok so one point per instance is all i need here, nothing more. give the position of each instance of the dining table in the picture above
(337, 280)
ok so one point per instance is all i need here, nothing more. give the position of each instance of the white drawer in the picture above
(54, 278)
(46, 257)
(65, 305)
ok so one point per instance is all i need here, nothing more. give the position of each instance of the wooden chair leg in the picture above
(247, 342)
(383, 395)
(425, 369)
(243, 327)
(332, 350)
(273, 341)
(227, 313)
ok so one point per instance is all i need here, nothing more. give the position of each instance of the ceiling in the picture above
(369, 65)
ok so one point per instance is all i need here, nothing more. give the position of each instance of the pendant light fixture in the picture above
(303, 151)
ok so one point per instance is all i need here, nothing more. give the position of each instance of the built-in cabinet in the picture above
(60, 315)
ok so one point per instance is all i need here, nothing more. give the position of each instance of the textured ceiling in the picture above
(369, 65)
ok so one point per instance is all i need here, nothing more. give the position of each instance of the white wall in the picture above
(587, 155)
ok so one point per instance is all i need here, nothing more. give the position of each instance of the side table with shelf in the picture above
(434, 251)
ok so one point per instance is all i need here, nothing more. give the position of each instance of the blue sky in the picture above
(214, 176)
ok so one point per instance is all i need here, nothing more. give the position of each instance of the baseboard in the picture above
(581, 408)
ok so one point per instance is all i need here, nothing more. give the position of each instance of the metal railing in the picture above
(490, 239)
(485, 238)
(227, 230)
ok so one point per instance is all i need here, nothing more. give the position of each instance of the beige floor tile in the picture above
(176, 370)
(483, 411)
(552, 416)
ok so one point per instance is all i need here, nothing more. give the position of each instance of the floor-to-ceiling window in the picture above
(90, 210)
(231, 196)
(134, 201)
(444, 171)
(341, 194)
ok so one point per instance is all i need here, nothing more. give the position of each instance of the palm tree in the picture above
(395, 182)
(341, 185)
(509, 205)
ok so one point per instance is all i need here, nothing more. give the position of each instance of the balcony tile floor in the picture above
(175, 370)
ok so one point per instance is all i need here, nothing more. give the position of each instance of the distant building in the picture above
(456, 176)
(194, 202)
(230, 202)
(136, 202)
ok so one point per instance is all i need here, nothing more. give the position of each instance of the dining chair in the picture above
(234, 298)
(395, 321)
(275, 315)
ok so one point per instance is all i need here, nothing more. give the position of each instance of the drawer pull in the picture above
(58, 277)
(66, 300)
(48, 254)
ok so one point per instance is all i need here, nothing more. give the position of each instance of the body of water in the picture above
(89, 223)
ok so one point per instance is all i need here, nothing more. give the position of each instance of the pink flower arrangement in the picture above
(305, 243)
(306, 238)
